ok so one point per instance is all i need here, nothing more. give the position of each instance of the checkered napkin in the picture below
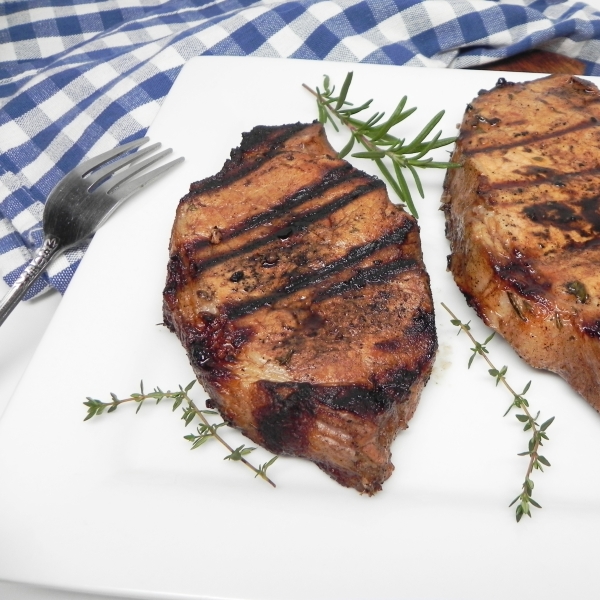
(78, 77)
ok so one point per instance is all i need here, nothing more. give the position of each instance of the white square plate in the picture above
(119, 505)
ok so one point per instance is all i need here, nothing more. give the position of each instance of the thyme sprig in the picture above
(205, 430)
(374, 135)
(530, 421)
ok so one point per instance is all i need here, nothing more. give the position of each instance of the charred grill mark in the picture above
(590, 212)
(235, 168)
(285, 423)
(330, 180)
(420, 332)
(542, 172)
(552, 213)
(544, 175)
(533, 139)
(581, 216)
(522, 278)
(296, 223)
(587, 245)
(299, 282)
(395, 386)
(365, 277)
(293, 402)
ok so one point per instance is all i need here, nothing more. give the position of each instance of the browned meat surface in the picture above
(299, 293)
(523, 219)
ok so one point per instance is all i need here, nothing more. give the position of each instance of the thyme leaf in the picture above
(374, 135)
(524, 501)
(205, 430)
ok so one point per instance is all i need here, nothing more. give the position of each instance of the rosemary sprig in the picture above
(530, 421)
(204, 431)
(374, 135)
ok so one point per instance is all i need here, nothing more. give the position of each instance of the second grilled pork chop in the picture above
(523, 219)
(299, 293)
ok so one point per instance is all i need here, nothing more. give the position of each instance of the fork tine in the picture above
(97, 161)
(101, 175)
(128, 188)
(120, 178)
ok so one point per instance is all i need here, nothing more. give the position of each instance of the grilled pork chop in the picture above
(299, 293)
(523, 219)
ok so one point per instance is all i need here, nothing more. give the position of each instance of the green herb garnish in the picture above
(530, 422)
(577, 289)
(374, 135)
(205, 430)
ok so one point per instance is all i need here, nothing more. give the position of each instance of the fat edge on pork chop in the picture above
(523, 220)
(299, 293)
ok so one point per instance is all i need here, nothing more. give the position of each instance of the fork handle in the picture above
(42, 258)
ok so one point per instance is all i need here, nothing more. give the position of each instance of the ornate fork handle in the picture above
(42, 258)
(82, 201)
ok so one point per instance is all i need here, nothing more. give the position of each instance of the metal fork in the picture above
(80, 204)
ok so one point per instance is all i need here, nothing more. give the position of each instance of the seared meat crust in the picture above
(523, 220)
(299, 293)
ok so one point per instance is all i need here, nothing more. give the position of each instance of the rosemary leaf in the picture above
(343, 93)
(374, 134)
(347, 148)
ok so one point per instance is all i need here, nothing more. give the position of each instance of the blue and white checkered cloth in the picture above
(78, 77)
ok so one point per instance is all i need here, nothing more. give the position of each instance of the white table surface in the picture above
(19, 337)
